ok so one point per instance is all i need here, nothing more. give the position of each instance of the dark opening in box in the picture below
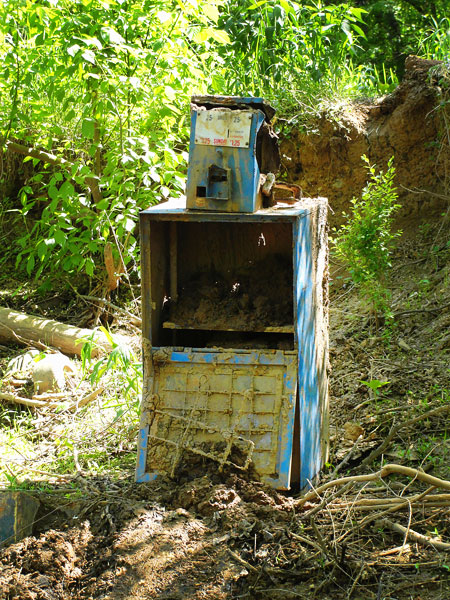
(222, 284)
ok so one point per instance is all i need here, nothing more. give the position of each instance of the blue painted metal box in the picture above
(231, 149)
(235, 341)
(17, 514)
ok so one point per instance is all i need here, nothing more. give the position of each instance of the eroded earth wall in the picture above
(410, 124)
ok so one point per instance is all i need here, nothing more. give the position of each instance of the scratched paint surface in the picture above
(201, 400)
(312, 396)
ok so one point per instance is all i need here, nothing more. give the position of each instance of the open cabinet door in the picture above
(232, 406)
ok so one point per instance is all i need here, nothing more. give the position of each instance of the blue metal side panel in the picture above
(244, 168)
(141, 474)
(308, 385)
(199, 399)
(17, 514)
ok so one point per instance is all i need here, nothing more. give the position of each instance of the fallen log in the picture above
(25, 401)
(31, 330)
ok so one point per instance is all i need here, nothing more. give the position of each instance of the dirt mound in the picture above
(45, 568)
(208, 299)
(407, 124)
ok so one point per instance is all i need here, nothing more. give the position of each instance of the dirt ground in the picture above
(207, 298)
(223, 535)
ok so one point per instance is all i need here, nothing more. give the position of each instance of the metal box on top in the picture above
(232, 148)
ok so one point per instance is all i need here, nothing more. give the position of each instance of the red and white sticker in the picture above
(223, 127)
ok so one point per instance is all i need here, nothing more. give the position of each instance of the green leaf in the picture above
(202, 35)
(220, 36)
(103, 204)
(113, 35)
(170, 92)
(88, 128)
(211, 11)
(60, 237)
(72, 50)
(53, 192)
(41, 251)
(39, 39)
(89, 56)
(89, 267)
(91, 41)
(30, 264)
(286, 6)
(66, 190)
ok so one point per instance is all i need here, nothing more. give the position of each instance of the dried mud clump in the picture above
(45, 567)
(248, 303)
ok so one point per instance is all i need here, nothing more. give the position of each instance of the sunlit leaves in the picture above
(88, 128)
(288, 43)
(105, 85)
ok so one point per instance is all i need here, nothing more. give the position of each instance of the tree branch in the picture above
(59, 161)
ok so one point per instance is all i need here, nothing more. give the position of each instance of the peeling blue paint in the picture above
(308, 390)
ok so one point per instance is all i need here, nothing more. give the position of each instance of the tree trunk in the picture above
(28, 329)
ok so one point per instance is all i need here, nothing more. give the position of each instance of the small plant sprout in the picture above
(374, 385)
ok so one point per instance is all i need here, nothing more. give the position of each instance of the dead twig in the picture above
(347, 457)
(87, 399)
(49, 396)
(414, 536)
(326, 501)
(243, 562)
(356, 580)
(396, 428)
(407, 503)
(133, 318)
(383, 472)
(421, 310)
(305, 540)
(24, 401)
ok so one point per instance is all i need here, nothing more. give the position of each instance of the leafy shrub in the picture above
(365, 242)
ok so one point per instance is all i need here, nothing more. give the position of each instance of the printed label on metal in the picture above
(223, 128)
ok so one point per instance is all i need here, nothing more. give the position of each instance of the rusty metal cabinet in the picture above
(235, 340)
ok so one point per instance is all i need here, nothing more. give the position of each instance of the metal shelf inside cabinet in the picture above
(206, 327)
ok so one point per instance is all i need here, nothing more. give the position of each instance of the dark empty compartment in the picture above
(222, 284)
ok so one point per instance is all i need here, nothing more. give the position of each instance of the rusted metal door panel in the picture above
(212, 403)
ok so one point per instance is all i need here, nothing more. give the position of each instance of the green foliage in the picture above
(374, 385)
(295, 54)
(121, 365)
(365, 242)
(279, 43)
(435, 41)
(394, 29)
(104, 87)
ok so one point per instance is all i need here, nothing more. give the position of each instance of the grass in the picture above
(100, 438)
